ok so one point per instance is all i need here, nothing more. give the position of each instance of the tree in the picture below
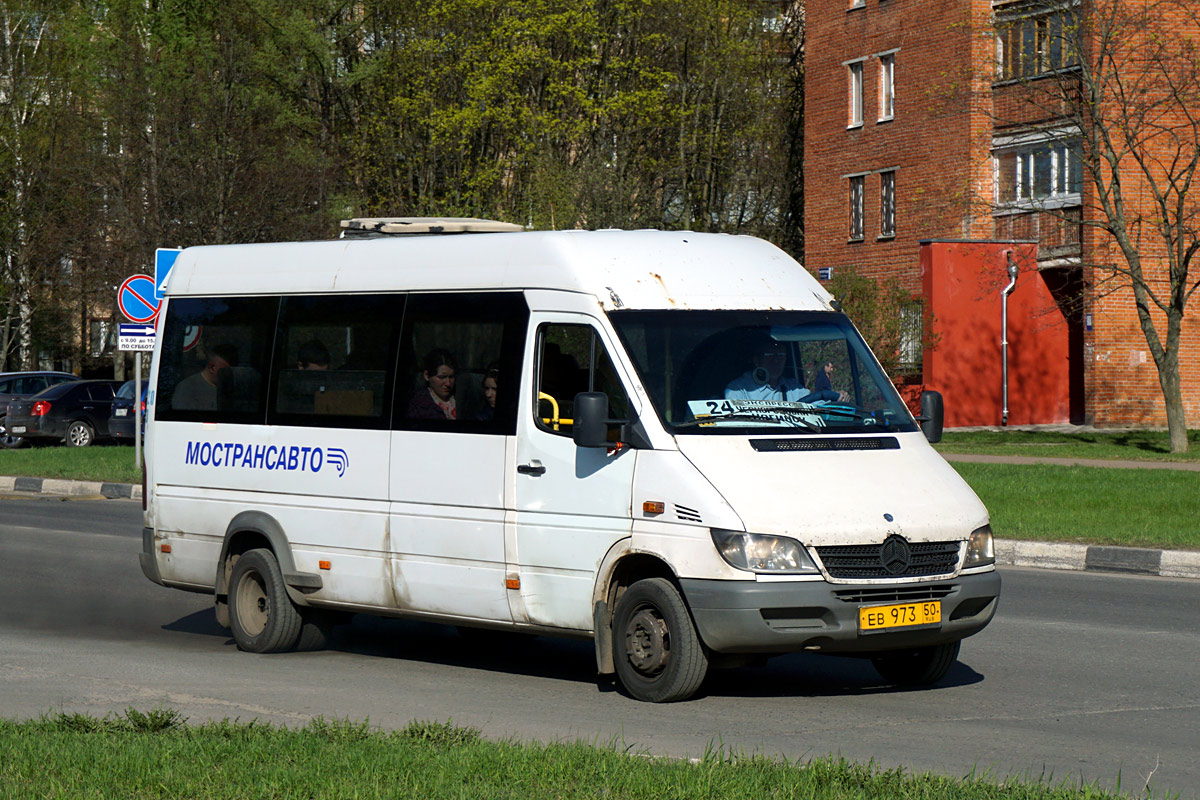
(40, 50)
(1117, 85)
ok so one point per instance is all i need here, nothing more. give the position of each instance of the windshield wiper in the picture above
(858, 415)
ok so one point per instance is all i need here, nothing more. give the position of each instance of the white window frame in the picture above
(887, 204)
(1026, 147)
(854, 72)
(857, 205)
(887, 85)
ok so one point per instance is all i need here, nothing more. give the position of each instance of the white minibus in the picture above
(671, 443)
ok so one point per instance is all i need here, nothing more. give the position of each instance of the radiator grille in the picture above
(895, 594)
(864, 561)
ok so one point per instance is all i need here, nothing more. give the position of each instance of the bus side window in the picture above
(333, 360)
(572, 359)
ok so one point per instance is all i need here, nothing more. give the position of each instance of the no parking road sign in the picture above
(137, 298)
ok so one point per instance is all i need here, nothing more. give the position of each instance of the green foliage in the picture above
(180, 123)
(889, 317)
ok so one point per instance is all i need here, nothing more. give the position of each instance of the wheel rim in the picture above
(79, 435)
(252, 603)
(648, 642)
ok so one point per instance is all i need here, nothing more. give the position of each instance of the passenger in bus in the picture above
(312, 355)
(435, 400)
(204, 390)
(823, 385)
(490, 387)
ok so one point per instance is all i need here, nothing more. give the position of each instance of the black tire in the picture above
(79, 434)
(921, 666)
(316, 626)
(658, 656)
(261, 615)
(8, 441)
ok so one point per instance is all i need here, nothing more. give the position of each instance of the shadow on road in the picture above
(563, 659)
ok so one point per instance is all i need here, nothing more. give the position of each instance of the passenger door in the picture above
(448, 476)
(572, 503)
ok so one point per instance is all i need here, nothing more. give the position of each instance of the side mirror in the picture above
(590, 428)
(933, 413)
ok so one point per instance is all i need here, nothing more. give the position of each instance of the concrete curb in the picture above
(1009, 552)
(57, 487)
(1099, 558)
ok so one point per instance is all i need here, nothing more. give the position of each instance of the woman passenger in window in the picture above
(436, 399)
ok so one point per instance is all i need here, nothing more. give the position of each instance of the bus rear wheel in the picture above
(261, 615)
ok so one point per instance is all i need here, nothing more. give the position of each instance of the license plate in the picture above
(903, 615)
(120, 412)
(17, 429)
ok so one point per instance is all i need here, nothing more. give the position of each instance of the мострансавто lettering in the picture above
(266, 456)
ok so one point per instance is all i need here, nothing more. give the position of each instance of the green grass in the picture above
(1129, 507)
(1140, 445)
(113, 463)
(156, 755)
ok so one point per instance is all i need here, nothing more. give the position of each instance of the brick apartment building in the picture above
(930, 159)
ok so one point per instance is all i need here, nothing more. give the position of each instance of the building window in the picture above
(857, 4)
(101, 336)
(887, 204)
(856, 208)
(856, 93)
(1039, 172)
(887, 86)
(912, 338)
(1035, 44)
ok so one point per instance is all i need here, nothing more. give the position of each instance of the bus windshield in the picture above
(747, 372)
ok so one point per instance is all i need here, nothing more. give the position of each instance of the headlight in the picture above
(980, 551)
(760, 553)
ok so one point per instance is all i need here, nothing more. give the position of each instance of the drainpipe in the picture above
(1012, 274)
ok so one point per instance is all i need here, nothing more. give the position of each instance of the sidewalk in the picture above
(1185, 466)
(1010, 552)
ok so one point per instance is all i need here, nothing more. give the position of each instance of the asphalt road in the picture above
(1082, 676)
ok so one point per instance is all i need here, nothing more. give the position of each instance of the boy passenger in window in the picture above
(490, 387)
(200, 392)
(312, 355)
(436, 399)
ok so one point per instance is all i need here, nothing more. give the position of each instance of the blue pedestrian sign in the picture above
(164, 259)
(136, 298)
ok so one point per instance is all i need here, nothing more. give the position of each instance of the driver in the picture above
(766, 381)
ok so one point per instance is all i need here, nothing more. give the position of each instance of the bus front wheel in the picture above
(261, 615)
(658, 656)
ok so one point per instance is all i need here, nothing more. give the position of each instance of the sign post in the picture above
(139, 301)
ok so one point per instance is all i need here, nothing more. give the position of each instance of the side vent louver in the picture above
(687, 514)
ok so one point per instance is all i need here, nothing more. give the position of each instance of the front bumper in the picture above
(751, 617)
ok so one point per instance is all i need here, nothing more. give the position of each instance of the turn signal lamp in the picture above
(654, 507)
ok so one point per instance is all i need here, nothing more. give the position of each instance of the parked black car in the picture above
(76, 412)
(120, 424)
(19, 385)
